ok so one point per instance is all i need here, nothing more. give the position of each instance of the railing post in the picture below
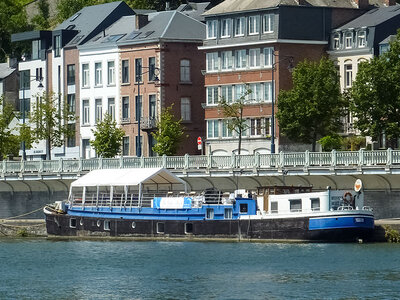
(209, 160)
(22, 166)
(80, 164)
(256, 160)
(361, 157)
(142, 161)
(389, 158)
(281, 159)
(100, 162)
(186, 161)
(4, 167)
(41, 166)
(121, 162)
(307, 158)
(164, 161)
(233, 160)
(333, 158)
(60, 165)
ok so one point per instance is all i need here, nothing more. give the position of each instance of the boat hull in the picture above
(289, 229)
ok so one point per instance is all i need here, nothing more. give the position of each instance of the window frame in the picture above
(270, 20)
(85, 75)
(125, 76)
(212, 26)
(186, 109)
(226, 25)
(85, 112)
(111, 73)
(184, 66)
(98, 74)
(240, 23)
(254, 25)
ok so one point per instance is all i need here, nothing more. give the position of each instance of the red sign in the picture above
(199, 140)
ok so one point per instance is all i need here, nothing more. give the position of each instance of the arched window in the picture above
(185, 70)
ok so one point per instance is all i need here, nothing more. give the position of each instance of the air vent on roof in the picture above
(113, 38)
(147, 34)
(73, 18)
(70, 27)
(134, 35)
(77, 39)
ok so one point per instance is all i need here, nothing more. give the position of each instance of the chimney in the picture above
(141, 20)
(362, 4)
(389, 2)
(167, 5)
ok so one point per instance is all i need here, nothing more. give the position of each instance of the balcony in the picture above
(148, 123)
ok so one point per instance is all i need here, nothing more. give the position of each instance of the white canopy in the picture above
(128, 177)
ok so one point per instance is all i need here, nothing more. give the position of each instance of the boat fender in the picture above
(348, 199)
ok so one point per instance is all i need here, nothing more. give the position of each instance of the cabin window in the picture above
(274, 207)
(188, 228)
(315, 204)
(228, 213)
(295, 205)
(107, 225)
(72, 223)
(210, 213)
(243, 208)
(160, 227)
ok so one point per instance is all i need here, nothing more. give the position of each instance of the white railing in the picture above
(387, 158)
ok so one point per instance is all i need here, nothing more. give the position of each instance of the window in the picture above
(268, 91)
(111, 73)
(268, 23)
(160, 227)
(226, 25)
(125, 146)
(138, 70)
(336, 41)
(268, 57)
(226, 131)
(57, 45)
(125, 109)
(39, 74)
(98, 74)
(138, 107)
(25, 81)
(274, 207)
(25, 106)
(255, 94)
(239, 26)
(107, 225)
(71, 139)
(72, 223)
(295, 205)
(210, 213)
(348, 68)
(227, 93)
(267, 126)
(152, 106)
(212, 61)
(315, 204)
(212, 128)
(254, 58)
(211, 29)
(188, 228)
(349, 40)
(361, 39)
(185, 70)
(241, 59)
(98, 110)
(111, 108)
(71, 103)
(254, 25)
(212, 95)
(70, 74)
(226, 60)
(256, 127)
(185, 109)
(240, 91)
(36, 49)
(85, 112)
(152, 68)
(243, 208)
(125, 71)
(228, 213)
(85, 75)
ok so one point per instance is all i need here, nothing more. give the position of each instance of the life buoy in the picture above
(348, 199)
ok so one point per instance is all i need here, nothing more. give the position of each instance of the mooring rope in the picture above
(28, 213)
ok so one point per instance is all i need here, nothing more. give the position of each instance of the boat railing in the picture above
(345, 207)
(369, 208)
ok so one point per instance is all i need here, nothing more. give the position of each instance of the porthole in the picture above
(98, 223)
(133, 225)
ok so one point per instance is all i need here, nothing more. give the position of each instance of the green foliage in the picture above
(391, 235)
(9, 140)
(375, 95)
(107, 138)
(169, 133)
(312, 108)
(22, 232)
(42, 20)
(50, 118)
(12, 20)
(353, 143)
(331, 142)
(234, 114)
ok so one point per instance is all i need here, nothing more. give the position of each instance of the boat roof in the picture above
(128, 177)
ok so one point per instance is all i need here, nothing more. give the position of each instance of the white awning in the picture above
(128, 177)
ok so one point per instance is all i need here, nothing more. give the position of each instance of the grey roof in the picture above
(165, 25)
(88, 19)
(388, 39)
(231, 6)
(5, 70)
(194, 10)
(373, 17)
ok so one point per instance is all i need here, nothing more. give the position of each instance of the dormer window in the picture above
(239, 26)
(362, 41)
(226, 28)
(336, 41)
(212, 29)
(268, 23)
(254, 25)
(349, 40)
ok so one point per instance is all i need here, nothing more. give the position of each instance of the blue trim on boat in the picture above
(337, 222)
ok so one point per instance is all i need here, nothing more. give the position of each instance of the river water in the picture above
(48, 269)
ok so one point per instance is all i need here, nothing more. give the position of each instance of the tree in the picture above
(107, 138)
(375, 95)
(9, 140)
(49, 119)
(42, 20)
(234, 114)
(169, 133)
(312, 108)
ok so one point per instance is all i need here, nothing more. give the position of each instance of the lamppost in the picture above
(40, 86)
(290, 67)
(139, 75)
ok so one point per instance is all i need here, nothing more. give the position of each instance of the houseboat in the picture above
(154, 203)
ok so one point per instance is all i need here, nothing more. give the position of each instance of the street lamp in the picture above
(139, 75)
(290, 67)
(40, 86)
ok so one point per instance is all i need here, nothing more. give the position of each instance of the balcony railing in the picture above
(147, 123)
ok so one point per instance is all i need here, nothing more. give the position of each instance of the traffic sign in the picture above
(199, 140)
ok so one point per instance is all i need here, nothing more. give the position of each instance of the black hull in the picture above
(295, 229)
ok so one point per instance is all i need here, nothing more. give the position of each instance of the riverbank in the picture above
(37, 228)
